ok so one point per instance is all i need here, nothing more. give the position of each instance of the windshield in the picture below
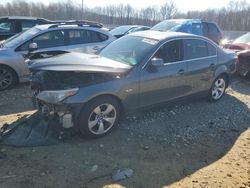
(129, 49)
(168, 25)
(243, 39)
(18, 38)
(121, 30)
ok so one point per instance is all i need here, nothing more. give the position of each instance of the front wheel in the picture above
(99, 117)
(218, 88)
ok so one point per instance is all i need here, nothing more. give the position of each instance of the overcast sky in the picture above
(183, 5)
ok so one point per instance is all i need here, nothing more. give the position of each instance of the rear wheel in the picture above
(218, 88)
(99, 117)
(7, 78)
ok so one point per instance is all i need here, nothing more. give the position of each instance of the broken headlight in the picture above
(56, 96)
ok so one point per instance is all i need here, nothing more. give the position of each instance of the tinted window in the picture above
(195, 48)
(85, 36)
(170, 52)
(6, 27)
(213, 29)
(25, 25)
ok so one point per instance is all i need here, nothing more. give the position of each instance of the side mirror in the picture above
(33, 47)
(157, 62)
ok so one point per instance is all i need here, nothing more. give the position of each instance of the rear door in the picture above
(201, 59)
(85, 41)
(163, 83)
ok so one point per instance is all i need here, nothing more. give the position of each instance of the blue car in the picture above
(194, 26)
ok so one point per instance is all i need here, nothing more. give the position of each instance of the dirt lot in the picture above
(196, 144)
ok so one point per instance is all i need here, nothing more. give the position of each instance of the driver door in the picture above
(163, 83)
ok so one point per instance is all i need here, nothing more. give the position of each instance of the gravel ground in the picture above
(192, 144)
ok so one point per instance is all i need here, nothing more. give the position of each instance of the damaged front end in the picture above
(56, 79)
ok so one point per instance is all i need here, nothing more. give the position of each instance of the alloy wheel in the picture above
(218, 88)
(102, 119)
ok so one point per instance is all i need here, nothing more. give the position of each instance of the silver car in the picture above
(63, 37)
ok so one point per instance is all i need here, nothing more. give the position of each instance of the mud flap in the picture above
(32, 130)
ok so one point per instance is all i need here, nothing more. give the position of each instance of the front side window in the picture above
(170, 52)
(46, 40)
(50, 39)
(6, 27)
(195, 48)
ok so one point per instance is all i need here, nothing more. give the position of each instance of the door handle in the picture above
(181, 72)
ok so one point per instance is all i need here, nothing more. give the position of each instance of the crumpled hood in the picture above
(78, 62)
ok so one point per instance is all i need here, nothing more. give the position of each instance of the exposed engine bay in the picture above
(55, 80)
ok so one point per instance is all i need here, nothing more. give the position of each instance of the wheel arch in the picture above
(121, 105)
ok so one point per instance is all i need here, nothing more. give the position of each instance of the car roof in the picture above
(159, 35)
(20, 18)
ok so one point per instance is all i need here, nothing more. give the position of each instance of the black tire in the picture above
(212, 97)
(8, 78)
(88, 116)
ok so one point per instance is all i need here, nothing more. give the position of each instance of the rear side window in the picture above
(85, 36)
(6, 27)
(25, 25)
(211, 50)
(195, 48)
(170, 52)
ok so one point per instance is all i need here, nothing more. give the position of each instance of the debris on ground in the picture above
(122, 174)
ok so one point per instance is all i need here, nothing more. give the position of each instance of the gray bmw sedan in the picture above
(91, 92)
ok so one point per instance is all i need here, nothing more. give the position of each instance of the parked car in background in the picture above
(195, 26)
(11, 25)
(138, 70)
(241, 46)
(126, 29)
(85, 38)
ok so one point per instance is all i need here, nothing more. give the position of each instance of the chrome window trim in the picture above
(184, 38)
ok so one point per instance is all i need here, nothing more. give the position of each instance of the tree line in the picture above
(234, 16)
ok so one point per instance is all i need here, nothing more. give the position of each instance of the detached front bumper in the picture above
(64, 114)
